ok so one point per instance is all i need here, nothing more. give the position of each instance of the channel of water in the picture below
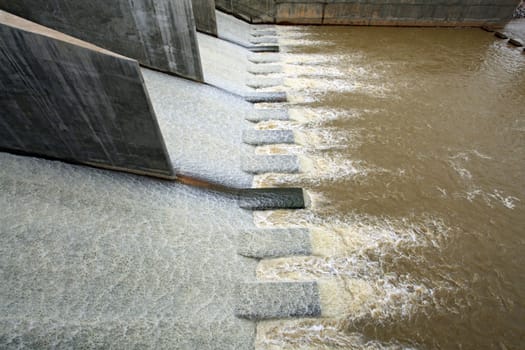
(414, 152)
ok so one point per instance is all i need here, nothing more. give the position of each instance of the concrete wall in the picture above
(253, 11)
(158, 33)
(204, 12)
(373, 12)
(63, 98)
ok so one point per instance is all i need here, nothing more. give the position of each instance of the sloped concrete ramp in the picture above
(227, 66)
(203, 127)
(249, 36)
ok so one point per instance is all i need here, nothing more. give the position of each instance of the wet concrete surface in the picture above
(92, 258)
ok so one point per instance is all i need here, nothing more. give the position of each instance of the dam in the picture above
(231, 175)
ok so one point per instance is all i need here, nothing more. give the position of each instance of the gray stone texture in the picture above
(258, 58)
(272, 198)
(373, 12)
(260, 164)
(253, 11)
(274, 243)
(205, 19)
(264, 69)
(260, 301)
(158, 33)
(65, 99)
(260, 115)
(264, 40)
(258, 82)
(267, 137)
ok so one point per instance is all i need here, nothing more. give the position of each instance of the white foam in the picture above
(315, 334)
(316, 170)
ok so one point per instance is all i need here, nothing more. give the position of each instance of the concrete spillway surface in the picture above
(90, 258)
(202, 127)
(96, 259)
(247, 35)
(227, 66)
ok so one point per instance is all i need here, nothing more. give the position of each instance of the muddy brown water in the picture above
(431, 124)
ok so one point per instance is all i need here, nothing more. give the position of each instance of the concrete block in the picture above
(515, 42)
(273, 243)
(260, 301)
(268, 114)
(158, 33)
(260, 97)
(272, 198)
(263, 32)
(264, 48)
(66, 99)
(205, 20)
(264, 58)
(263, 40)
(263, 82)
(267, 137)
(261, 69)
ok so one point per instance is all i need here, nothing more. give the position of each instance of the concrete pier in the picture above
(158, 33)
(205, 19)
(66, 99)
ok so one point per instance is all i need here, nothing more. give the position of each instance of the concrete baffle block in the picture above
(261, 115)
(272, 198)
(267, 137)
(261, 301)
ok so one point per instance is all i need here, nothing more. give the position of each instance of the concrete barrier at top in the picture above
(158, 33)
(65, 99)
(372, 12)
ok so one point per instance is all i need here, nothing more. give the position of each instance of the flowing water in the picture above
(413, 146)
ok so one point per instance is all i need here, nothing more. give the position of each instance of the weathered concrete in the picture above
(273, 198)
(260, 301)
(267, 137)
(268, 114)
(253, 11)
(66, 99)
(242, 33)
(373, 12)
(158, 33)
(274, 243)
(205, 18)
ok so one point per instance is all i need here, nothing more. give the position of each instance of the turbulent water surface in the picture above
(413, 145)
